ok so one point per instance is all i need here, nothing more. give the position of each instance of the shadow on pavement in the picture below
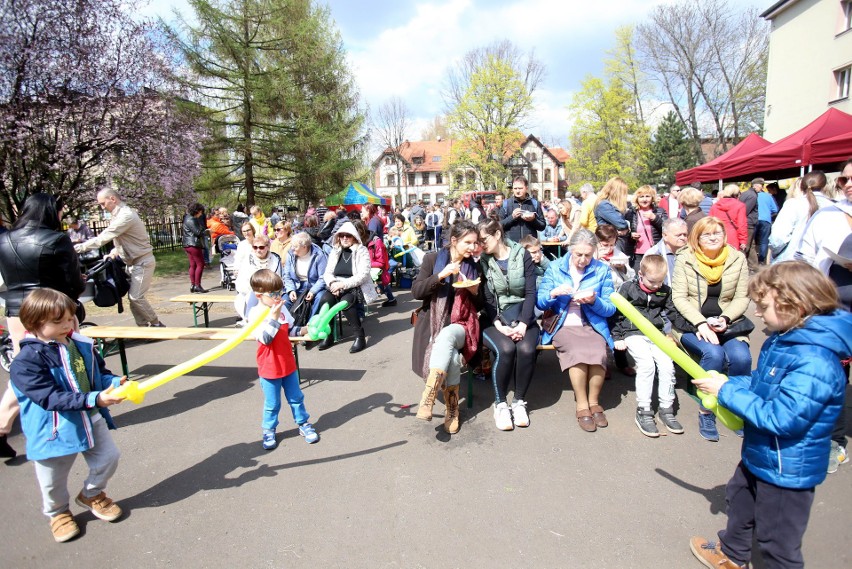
(715, 496)
(189, 399)
(212, 473)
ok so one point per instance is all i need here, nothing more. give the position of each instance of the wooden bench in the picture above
(201, 304)
(539, 347)
(120, 333)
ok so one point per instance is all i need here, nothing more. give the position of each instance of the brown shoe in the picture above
(584, 418)
(598, 416)
(451, 417)
(710, 554)
(101, 506)
(427, 400)
(64, 527)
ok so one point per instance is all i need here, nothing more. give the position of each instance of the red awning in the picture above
(793, 151)
(711, 171)
(834, 149)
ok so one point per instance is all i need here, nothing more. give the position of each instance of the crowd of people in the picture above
(494, 282)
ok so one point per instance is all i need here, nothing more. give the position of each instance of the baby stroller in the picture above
(227, 263)
(5, 349)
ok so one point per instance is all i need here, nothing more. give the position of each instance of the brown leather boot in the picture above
(427, 400)
(451, 417)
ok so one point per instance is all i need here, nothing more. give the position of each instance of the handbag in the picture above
(512, 315)
(414, 316)
(301, 309)
(549, 320)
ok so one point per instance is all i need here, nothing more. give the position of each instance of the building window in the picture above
(547, 175)
(436, 159)
(534, 176)
(535, 194)
(439, 178)
(842, 78)
(459, 179)
(411, 179)
(391, 180)
(546, 195)
(471, 177)
(417, 160)
(847, 15)
(533, 156)
(389, 161)
(425, 177)
(412, 198)
(439, 198)
(427, 198)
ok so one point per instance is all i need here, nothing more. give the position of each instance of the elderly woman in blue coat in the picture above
(577, 288)
(303, 271)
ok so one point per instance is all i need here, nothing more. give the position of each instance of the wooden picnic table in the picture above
(201, 303)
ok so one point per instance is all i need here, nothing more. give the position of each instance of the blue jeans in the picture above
(272, 400)
(733, 353)
(761, 236)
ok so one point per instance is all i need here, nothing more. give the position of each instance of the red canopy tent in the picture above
(793, 152)
(711, 171)
(834, 149)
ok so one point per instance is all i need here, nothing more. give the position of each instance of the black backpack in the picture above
(111, 284)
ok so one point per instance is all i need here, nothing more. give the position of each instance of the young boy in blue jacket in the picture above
(64, 390)
(789, 406)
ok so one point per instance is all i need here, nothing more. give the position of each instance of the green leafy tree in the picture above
(607, 139)
(490, 96)
(280, 99)
(671, 150)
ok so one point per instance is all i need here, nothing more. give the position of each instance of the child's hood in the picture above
(833, 331)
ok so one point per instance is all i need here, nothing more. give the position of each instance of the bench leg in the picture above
(123, 356)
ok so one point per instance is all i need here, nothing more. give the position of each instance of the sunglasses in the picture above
(345, 236)
(279, 229)
(276, 294)
(842, 181)
(259, 247)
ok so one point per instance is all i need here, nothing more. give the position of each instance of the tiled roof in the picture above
(560, 153)
(433, 155)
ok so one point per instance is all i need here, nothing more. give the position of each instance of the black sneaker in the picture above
(387, 303)
(668, 418)
(645, 422)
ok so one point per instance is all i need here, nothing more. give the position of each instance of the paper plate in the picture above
(466, 283)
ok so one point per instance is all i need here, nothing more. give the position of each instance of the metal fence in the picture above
(165, 234)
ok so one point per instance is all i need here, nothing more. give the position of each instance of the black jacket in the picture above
(632, 219)
(517, 229)
(36, 257)
(655, 307)
(193, 231)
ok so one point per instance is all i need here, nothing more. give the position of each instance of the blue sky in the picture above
(404, 49)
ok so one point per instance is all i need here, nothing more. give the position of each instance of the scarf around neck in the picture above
(712, 269)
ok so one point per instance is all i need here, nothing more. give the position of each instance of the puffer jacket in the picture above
(193, 231)
(596, 277)
(34, 257)
(689, 288)
(656, 307)
(791, 401)
(315, 271)
(54, 412)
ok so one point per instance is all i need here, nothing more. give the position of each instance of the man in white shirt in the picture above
(132, 243)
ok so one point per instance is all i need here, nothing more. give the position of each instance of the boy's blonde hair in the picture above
(800, 291)
(265, 280)
(42, 305)
(653, 266)
(528, 241)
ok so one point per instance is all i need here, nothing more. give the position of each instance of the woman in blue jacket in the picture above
(789, 405)
(577, 289)
(305, 265)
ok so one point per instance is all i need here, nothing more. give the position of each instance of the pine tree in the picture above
(671, 150)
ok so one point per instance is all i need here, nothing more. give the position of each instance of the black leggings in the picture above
(511, 358)
(350, 312)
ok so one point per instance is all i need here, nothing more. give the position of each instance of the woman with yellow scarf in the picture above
(710, 295)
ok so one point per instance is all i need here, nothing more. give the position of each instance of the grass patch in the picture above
(171, 263)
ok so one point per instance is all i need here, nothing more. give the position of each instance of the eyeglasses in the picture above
(709, 236)
(259, 247)
(275, 294)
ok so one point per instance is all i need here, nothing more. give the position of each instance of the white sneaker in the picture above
(519, 413)
(503, 417)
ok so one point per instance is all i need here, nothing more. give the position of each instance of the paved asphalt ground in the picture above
(382, 489)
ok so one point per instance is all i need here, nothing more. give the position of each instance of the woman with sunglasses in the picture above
(261, 257)
(347, 277)
(280, 244)
(447, 327)
(710, 292)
